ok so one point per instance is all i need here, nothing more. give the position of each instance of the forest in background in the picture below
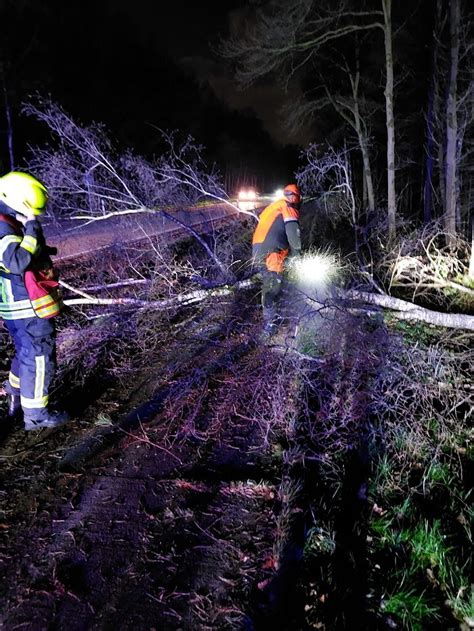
(360, 460)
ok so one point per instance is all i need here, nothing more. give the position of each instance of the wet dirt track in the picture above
(169, 526)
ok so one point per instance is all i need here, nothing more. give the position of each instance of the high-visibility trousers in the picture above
(34, 363)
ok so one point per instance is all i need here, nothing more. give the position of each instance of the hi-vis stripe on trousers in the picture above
(33, 366)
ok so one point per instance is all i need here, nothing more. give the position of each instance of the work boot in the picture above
(14, 405)
(14, 402)
(271, 321)
(49, 419)
(269, 329)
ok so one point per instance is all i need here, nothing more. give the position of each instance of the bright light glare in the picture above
(278, 194)
(315, 269)
(247, 199)
(247, 195)
(246, 205)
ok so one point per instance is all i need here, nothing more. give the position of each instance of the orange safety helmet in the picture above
(292, 193)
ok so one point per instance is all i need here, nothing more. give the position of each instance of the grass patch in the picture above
(319, 541)
(461, 602)
(413, 332)
(411, 608)
(438, 473)
(428, 549)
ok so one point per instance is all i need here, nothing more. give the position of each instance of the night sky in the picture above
(135, 66)
(141, 65)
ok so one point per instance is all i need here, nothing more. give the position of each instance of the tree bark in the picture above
(179, 300)
(429, 157)
(471, 258)
(362, 137)
(439, 107)
(8, 116)
(404, 310)
(452, 124)
(390, 121)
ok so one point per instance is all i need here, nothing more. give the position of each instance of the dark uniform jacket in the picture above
(21, 248)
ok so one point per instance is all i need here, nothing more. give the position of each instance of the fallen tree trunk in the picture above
(401, 309)
(404, 310)
(179, 300)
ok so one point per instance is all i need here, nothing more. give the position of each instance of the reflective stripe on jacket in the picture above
(21, 248)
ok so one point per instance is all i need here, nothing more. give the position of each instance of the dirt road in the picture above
(75, 238)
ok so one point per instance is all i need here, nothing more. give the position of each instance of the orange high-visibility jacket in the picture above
(277, 233)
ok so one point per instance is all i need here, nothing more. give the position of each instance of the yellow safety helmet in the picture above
(23, 192)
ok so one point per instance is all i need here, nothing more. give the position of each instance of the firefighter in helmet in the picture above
(276, 241)
(29, 299)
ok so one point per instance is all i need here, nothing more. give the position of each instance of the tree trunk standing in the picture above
(349, 191)
(441, 174)
(369, 186)
(354, 119)
(391, 197)
(362, 137)
(364, 188)
(8, 116)
(471, 260)
(429, 158)
(438, 190)
(361, 131)
(452, 124)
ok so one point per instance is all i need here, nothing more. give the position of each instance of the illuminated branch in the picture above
(426, 268)
(89, 181)
(180, 300)
(329, 174)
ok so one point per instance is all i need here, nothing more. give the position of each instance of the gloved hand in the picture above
(24, 218)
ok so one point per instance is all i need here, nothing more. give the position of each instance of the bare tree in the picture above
(390, 122)
(287, 37)
(89, 180)
(452, 121)
(349, 107)
(465, 125)
(85, 166)
(432, 146)
(328, 174)
(362, 135)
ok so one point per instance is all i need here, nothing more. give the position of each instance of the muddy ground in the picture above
(198, 460)
(156, 506)
(186, 517)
